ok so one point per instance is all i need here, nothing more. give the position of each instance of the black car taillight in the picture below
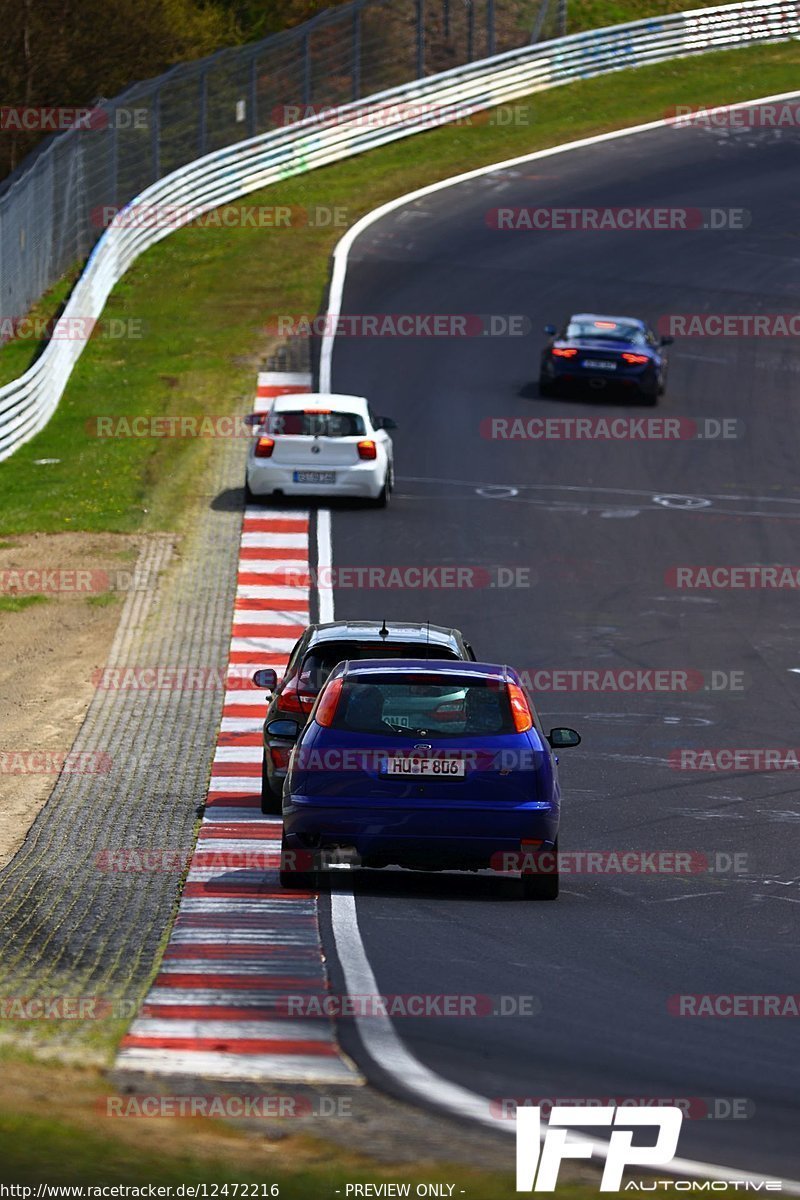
(293, 700)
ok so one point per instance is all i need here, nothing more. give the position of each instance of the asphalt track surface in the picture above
(604, 960)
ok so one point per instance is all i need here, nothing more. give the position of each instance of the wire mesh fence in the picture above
(57, 204)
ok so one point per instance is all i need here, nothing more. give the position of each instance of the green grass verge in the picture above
(103, 599)
(38, 1149)
(201, 297)
(43, 1150)
(18, 603)
(18, 355)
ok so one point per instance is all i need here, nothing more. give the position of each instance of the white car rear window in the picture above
(316, 424)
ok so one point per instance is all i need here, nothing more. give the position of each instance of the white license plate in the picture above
(315, 477)
(596, 364)
(404, 765)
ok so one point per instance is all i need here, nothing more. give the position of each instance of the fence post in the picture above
(470, 30)
(446, 17)
(490, 39)
(113, 166)
(155, 135)
(252, 99)
(561, 31)
(306, 71)
(420, 38)
(357, 50)
(541, 17)
(203, 115)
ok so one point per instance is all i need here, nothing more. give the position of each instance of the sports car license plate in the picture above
(597, 364)
(315, 477)
(440, 768)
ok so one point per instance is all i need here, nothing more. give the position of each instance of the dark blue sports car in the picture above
(606, 354)
(425, 764)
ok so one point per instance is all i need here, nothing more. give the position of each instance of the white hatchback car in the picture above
(322, 444)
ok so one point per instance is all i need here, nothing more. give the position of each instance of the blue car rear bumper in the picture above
(437, 836)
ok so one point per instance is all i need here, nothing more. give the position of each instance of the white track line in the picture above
(377, 1033)
(323, 582)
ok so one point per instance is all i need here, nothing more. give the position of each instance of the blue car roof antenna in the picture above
(383, 631)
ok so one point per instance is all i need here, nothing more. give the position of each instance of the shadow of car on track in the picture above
(590, 397)
(233, 500)
(435, 885)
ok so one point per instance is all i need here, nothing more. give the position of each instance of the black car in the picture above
(311, 661)
(619, 354)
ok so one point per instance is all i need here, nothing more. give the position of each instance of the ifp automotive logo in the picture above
(539, 1159)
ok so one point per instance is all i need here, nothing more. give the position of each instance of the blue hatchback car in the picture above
(424, 764)
(607, 354)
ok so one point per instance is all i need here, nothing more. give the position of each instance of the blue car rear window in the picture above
(400, 709)
(606, 329)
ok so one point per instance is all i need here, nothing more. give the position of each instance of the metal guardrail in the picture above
(27, 403)
(53, 207)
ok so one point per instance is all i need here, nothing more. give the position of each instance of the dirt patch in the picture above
(61, 596)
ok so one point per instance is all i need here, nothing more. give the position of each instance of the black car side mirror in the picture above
(562, 739)
(666, 341)
(282, 727)
(266, 678)
(550, 330)
(385, 423)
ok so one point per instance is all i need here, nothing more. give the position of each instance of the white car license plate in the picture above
(597, 364)
(315, 477)
(439, 768)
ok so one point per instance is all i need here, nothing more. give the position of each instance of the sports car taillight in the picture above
(367, 449)
(328, 704)
(635, 359)
(264, 447)
(563, 351)
(520, 710)
(293, 700)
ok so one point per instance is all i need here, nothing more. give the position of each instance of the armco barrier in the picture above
(27, 403)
